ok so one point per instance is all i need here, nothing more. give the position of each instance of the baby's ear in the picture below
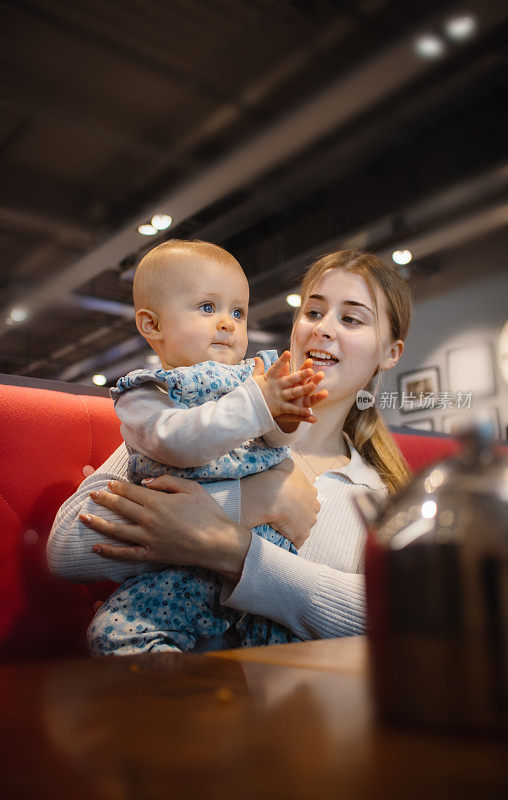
(147, 323)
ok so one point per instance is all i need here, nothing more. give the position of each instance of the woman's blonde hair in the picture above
(366, 427)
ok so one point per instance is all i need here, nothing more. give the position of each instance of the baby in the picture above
(201, 416)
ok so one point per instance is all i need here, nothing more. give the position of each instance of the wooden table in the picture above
(289, 721)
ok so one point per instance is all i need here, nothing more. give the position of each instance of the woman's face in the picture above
(337, 329)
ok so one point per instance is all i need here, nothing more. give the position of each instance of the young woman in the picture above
(353, 320)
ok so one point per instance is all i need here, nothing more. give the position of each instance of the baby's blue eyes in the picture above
(209, 308)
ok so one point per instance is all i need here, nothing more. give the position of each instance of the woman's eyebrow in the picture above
(357, 303)
(344, 302)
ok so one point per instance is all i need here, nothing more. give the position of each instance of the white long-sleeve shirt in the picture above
(165, 430)
(317, 594)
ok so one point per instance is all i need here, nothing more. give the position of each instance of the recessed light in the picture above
(294, 300)
(147, 230)
(429, 46)
(402, 256)
(99, 380)
(429, 509)
(161, 221)
(461, 27)
(19, 314)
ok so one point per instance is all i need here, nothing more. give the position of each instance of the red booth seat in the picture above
(49, 440)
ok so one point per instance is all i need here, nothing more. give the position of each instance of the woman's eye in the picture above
(207, 308)
(238, 313)
(352, 320)
(313, 314)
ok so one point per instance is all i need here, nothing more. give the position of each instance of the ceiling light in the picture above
(161, 221)
(19, 314)
(429, 509)
(147, 230)
(99, 380)
(461, 28)
(294, 300)
(429, 46)
(402, 256)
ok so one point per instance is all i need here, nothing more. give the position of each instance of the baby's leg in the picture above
(258, 632)
(159, 611)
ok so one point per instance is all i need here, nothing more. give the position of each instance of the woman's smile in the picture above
(321, 358)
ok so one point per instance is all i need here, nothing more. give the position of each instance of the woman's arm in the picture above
(311, 599)
(70, 544)
(181, 524)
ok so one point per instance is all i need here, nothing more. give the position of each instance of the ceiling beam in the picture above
(23, 193)
(440, 238)
(338, 160)
(65, 232)
(434, 240)
(112, 307)
(371, 83)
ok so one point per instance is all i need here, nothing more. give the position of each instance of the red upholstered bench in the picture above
(49, 439)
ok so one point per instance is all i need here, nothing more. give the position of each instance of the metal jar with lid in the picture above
(437, 592)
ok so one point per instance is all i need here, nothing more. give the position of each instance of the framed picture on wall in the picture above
(453, 423)
(420, 424)
(418, 388)
(471, 369)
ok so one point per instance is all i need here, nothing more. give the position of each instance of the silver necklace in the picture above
(317, 474)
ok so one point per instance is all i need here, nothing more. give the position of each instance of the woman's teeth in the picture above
(322, 359)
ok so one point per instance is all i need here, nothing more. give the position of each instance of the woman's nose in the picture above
(323, 330)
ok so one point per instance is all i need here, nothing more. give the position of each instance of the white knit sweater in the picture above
(317, 594)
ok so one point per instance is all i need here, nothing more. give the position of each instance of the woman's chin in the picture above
(337, 395)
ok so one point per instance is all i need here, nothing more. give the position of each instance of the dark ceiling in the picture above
(342, 137)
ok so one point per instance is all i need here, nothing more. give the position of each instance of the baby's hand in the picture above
(282, 390)
(288, 423)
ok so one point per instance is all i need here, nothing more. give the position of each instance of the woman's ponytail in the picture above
(371, 437)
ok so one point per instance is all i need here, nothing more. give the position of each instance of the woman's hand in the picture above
(282, 497)
(175, 522)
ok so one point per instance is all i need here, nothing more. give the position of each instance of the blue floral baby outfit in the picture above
(173, 608)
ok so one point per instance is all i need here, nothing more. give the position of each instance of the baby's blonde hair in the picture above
(150, 279)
